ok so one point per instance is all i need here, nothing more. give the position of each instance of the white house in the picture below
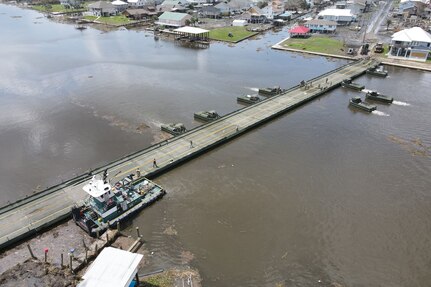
(411, 44)
(321, 26)
(102, 8)
(135, 3)
(224, 8)
(120, 5)
(341, 16)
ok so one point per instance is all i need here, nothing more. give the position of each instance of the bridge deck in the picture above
(30, 215)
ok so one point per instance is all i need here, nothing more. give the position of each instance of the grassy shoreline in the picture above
(238, 34)
(318, 44)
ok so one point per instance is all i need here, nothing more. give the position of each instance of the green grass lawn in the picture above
(238, 33)
(318, 44)
(55, 8)
(112, 20)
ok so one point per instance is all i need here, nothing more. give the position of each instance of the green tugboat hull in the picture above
(125, 200)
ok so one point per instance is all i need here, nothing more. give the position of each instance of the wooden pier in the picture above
(34, 213)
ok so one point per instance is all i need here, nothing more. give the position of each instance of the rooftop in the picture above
(191, 30)
(336, 12)
(321, 22)
(172, 16)
(415, 34)
(112, 268)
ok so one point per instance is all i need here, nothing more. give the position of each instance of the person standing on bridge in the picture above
(155, 163)
(191, 144)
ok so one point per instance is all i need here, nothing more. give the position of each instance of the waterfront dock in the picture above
(34, 213)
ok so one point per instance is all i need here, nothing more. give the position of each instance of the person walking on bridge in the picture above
(155, 163)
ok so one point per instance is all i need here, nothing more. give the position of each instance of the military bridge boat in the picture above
(379, 72)
(347, 83)
(358, 103)
(207, 116)
(248, 99)
(375, 96)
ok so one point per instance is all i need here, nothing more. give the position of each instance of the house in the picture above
(71, 3)
(321, 26)
(413, 7)
(341, 16)
(173, 19)
(120, 5)
(411, 44)
(224, 8)
(239, 5)
(299, 31)
(361, 6)
(268, 12)
(341, 5)
(136, 3)
(257, 15)
(138, 14)
(285, 16)
(277, 7)
(172, 5)
(102, 8)
(210, 12)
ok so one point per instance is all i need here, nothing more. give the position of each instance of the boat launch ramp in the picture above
(38, 211)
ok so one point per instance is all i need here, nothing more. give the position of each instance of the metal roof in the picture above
(320, 22)
(191, 30)
(172, 16)
(415, 34)
(336, 12)
(112, 268)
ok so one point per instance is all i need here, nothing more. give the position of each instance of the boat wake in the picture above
(253, 89)
(399, 103)
(379, 113)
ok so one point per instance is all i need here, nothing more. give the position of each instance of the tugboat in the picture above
(347, 83)
(270, 91)
(380, 72)
(107, 205)
(248, 99)
(358, 103)
(207, 116)
(175, 129)
(375, 96)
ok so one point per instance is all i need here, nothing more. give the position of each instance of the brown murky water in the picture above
(322, 195)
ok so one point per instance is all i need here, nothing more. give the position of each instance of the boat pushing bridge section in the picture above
(34, 213)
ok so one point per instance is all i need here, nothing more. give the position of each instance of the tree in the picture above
(262, 4)
(388, 22)
(188, 22)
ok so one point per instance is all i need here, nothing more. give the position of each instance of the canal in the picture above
(322, 195)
